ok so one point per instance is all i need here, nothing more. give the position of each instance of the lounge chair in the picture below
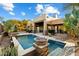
(57, 52)
(62, 52)
(69, 50)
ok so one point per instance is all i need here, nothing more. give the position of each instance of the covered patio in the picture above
(56, 25)
(38, 24)
(45, 24)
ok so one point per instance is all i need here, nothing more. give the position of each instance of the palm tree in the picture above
(71, 20)
(71, 6)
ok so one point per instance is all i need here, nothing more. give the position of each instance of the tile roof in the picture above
(40, 18)
(56, 21)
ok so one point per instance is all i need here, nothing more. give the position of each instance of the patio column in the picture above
(33, 29)
(45, 28)
(55, 29)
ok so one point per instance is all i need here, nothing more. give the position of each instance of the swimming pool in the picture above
(54, 44)
(27, 41)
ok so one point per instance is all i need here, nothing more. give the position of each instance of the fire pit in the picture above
(41, 41)
(41, 45)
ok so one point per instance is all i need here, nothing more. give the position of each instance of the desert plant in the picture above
(9, 51)
(71, 21)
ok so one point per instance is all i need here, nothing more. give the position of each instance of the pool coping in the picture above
(22, 51)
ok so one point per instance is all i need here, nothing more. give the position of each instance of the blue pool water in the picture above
(27, 41)
(55, 44)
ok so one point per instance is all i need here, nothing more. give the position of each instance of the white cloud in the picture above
(30, 8)
(51, 9)
(11, 13)
(46, 9)
(39, 8)
(46, 5)
(8, 6)
(23, 13)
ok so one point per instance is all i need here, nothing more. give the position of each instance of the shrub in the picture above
(9, 51)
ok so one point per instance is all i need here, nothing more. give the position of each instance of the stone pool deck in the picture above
(21, 51)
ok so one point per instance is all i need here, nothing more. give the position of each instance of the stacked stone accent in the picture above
(41, 45)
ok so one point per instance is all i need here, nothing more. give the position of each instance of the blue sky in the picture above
(30, 10)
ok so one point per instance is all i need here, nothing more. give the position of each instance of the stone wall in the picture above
(41, 45)
(32, 53)
(41, 51)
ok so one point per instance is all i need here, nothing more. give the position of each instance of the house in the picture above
(43, 23)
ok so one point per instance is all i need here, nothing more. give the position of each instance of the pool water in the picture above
(27, 41)
(54, 44)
